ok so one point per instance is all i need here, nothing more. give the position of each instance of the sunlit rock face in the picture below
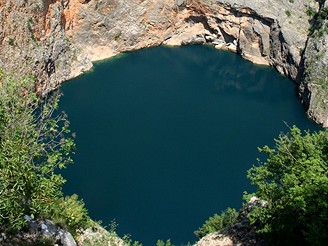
(58, 40)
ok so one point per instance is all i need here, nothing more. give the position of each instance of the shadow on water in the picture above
(165, 136)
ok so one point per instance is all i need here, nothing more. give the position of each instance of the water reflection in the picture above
(224, 73)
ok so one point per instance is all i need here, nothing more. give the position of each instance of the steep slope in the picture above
(58, 40)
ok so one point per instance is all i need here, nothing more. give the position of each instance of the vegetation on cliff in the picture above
(218, 222)
(34, 144)
(314, 83)
(292, 185)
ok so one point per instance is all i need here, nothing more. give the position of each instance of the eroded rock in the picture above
(58, 40)
(215, 239)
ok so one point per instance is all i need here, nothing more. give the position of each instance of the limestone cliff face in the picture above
(58, 39)
(33, 41)
(314, 84)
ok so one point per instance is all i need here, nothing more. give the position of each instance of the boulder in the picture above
(48, 229)
(67, 239)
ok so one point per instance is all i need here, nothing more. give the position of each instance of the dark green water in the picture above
(165, 136)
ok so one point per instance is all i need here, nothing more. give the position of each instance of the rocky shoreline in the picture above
(56, 40)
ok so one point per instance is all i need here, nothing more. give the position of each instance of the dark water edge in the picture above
(165, 136)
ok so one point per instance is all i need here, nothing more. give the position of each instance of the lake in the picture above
(165, 136)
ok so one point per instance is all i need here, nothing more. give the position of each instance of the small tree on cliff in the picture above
(294, 183)
(33, 144)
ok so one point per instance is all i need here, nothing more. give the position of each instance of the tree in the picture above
(218, 223)
(33, 144)
(293, 182)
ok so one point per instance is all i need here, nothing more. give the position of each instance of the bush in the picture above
(11, 42)
(294, 183)
(71, 213)
(33, 144)
(217, 223)
(310, 11)
(163, 243)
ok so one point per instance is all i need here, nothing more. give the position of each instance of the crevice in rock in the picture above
(247, 12)
(227, 37)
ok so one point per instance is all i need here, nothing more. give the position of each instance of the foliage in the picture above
(218, 222)
(318, 20)
(33, 145)
(310, 11)
(71, 213)
(162, 243)
(129, 242)
(287, 12)
(294, 183)
(11, 41)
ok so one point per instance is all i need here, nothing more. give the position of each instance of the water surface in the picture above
(165, 136)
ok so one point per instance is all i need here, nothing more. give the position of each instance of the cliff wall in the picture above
(56, 40)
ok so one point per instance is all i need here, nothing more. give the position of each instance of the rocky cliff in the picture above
(314, 83)
(56, 40)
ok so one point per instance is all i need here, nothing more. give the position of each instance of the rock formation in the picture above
(215, 239)
(240, 233)
(46, 232)
(56, 40)
(314, 84)
(39, 232)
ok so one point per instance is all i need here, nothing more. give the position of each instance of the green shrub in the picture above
(218, 223)
(11, 42)
(129, 242)
(310, 11)
(33, 144)
(71, 213)
(318, 20)
(294, 182)
(162, 243)
(287, 12)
